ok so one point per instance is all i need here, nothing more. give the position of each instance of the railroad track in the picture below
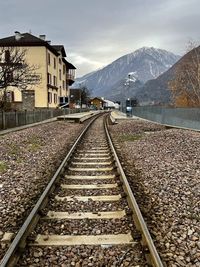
(87, 215)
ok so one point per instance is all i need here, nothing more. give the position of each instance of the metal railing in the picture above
(70, 76)
(19, 118)
(181, 117)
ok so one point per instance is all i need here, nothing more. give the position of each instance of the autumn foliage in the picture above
(185, 87)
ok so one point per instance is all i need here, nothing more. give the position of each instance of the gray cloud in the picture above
(97, 32)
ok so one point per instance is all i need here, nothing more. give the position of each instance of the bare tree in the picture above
(85, 95)
(15, 71)
(185, 87)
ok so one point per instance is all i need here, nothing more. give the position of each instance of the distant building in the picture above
(75, 98)
(101, 103)
(110, 104)
(55, 71)
(97, 103)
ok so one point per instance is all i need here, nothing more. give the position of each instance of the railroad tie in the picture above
(87, 177)
(94, 154)
(91, 163)
(99, 151)
(105, 169)
(105, 198)
(86, 215)
(69, 240)
(89, 186)
(93, 158)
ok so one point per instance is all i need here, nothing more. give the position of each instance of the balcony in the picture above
(52, 86)
(70, 78)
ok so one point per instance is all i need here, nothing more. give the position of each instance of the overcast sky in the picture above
(96, 32)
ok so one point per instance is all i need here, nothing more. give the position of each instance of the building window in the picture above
(63, 84)
(7, 56)
(54, 63)
(48, 78)
(59, 60)
(63, 99)
(54, 81)
(55, 98)
(49, 97)
(49, 59)
(60, 74)
(63, 69)
(10, 96)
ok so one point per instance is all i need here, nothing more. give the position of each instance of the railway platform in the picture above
(78, 117)
(118, 115)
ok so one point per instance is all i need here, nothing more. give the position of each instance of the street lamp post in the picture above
(128, 100)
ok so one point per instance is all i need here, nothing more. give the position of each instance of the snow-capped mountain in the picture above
(157, 91)
(145, 63)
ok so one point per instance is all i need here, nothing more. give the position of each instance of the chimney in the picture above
(42, 37)
(18, 36)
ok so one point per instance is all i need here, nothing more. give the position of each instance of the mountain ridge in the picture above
(147, 62)
(157, 91)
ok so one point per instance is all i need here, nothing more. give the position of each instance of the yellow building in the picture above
(55, 71)
(97, 102)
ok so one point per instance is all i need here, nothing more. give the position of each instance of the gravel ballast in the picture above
(101, 233)
(163, 168)
(84, 256)
(28, 159)
(87, 206)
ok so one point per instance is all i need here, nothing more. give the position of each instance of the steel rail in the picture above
(138, 219)
(22, 233)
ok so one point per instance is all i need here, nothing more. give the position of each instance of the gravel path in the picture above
(28, 158)
(163, 167)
